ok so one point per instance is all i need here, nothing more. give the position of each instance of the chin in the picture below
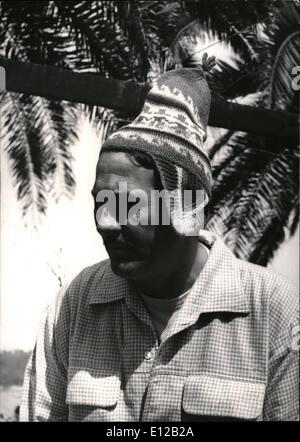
(128, 269)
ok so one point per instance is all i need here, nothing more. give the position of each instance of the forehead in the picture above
(115, 167)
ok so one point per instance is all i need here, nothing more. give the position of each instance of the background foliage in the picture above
(256, 192)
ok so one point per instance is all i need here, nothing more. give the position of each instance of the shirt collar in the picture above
(217, 289)
(108, 287)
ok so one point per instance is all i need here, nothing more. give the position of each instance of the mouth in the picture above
(120, 251)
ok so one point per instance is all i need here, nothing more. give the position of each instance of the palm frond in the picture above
(278, 49)
(47, 160)
(232, 82)
(62, 133)
(281, 92)
(232, 19)
(255, 196)
(22, 144)
(253, 188)
(98, 38)
(132, 24)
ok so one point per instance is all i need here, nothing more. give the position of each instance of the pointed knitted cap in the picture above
(171, 128)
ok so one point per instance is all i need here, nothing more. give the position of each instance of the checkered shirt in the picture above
(231, 353)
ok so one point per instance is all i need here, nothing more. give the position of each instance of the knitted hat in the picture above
(171, 128)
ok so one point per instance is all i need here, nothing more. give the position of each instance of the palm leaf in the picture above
(254, 198)
(22, 145)
(281, 92)
(234, 19)
(249, 194)
(61, 135)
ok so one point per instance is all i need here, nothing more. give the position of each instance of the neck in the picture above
(185, 266)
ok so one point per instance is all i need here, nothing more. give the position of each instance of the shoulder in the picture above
(77, 290)
(264, 277)
(87, 276)
(272, 294)
(268, 284)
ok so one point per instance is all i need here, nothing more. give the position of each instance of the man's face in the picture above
(136, 251)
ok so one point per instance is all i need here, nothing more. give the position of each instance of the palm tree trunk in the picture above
(61, 84)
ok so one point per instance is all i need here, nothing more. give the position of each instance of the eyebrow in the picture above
(95, 191)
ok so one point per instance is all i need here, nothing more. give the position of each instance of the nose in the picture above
(107, 224)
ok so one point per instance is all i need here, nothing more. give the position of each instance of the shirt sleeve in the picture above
(282, 394)
(45, 381)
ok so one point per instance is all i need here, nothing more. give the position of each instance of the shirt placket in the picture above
(139, 352)
(151, 355)
(164, 393)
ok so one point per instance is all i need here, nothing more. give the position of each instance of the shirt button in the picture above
(148, 355)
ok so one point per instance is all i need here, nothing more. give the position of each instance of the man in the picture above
(172, 327)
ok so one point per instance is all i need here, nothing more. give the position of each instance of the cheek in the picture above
(142, 237)
(165, 239)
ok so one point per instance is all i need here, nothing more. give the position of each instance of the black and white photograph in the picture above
(149, 213)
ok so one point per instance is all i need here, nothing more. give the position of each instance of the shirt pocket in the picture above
(211, 398)
(92, 395)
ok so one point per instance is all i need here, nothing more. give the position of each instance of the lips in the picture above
(120, 250)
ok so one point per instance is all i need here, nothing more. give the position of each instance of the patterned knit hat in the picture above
(171, 128)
